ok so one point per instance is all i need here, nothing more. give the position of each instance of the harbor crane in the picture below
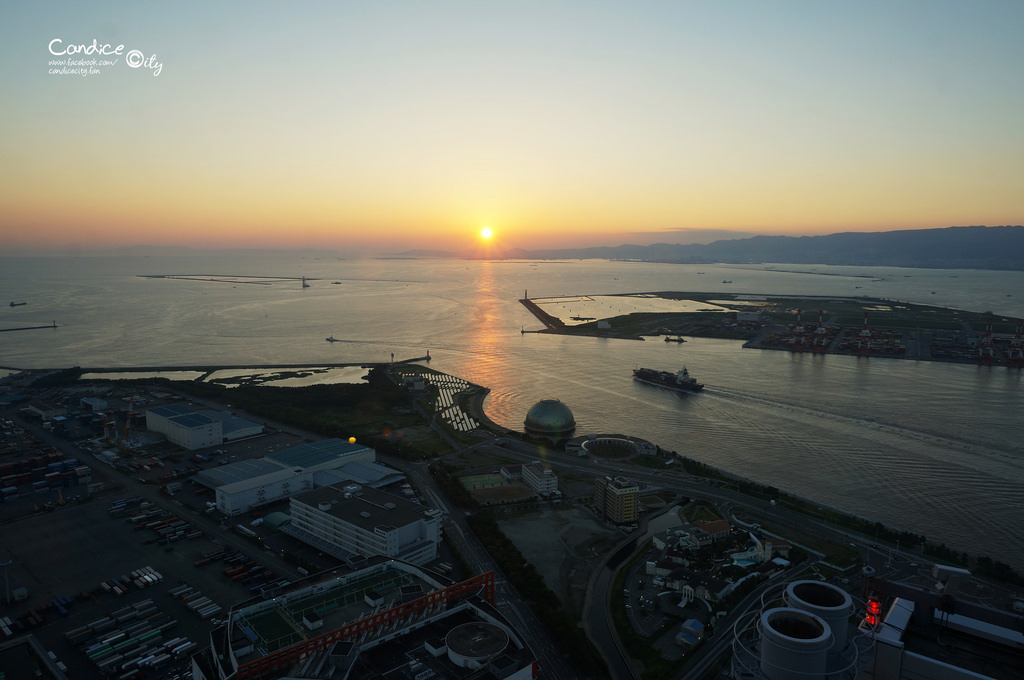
(820, 341)
(986, 351)
(127, 444)
(864, 338)
(799, 337)
(1015, 355)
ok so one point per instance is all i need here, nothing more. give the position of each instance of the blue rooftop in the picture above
(171, 410)
(315, 453)
(192, 420)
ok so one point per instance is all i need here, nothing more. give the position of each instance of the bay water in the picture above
(932, 448)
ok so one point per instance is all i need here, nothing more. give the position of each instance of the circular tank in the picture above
(833, 605)
(794, 644)
(472, 645)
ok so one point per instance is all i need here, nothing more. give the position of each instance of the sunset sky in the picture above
(383, 126)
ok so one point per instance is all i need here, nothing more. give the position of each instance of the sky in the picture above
(390, 125)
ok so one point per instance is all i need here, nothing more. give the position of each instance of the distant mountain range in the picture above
(948, 248)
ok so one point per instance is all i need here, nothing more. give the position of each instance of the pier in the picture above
(28, 328)
(551, 322)
(246, 367)
(208, 370)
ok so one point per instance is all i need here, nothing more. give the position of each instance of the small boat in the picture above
(678, 338)
(726, 280)
(17, 304)
(332, 339)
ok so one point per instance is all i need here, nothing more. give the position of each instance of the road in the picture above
(464, 541)
(597, 617)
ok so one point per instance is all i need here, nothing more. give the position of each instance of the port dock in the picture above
(552, 323)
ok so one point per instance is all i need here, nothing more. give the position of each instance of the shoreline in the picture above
(844, 326)
(475, 409)
(474, 406)
(205, 369)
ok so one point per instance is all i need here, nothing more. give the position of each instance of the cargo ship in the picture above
(681, 381)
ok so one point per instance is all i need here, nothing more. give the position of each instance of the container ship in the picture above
(680, 381)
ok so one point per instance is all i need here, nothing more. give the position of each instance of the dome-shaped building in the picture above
(550, 419)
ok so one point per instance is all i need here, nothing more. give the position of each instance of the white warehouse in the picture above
(248, 484)
(241, 496)
(184, 427)
(349, 521)
(326, 454)
(191, 429)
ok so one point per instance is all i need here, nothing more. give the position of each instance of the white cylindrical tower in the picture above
(472, 645)
(833, 605)
(794, 644)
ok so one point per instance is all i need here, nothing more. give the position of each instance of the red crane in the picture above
(799, 340)
(864, 338)
(820, 342)
(985, 350)
(1015, 356)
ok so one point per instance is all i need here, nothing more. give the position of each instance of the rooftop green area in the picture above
(279, 624)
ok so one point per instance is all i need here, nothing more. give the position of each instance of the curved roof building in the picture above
(551, 419)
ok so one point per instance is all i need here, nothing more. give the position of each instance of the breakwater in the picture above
(28, 328)
(552, 323)
(245, 367)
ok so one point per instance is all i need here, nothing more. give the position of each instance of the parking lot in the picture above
(64, 544)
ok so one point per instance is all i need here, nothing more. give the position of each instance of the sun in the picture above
(486, 233)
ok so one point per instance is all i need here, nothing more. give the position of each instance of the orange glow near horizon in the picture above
(440, 122)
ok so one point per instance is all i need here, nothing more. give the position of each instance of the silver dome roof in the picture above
(548, 417)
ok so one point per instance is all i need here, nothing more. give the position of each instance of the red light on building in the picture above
(873, 613)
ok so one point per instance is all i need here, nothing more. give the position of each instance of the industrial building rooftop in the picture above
(364, 507)
(223, 475)
(390, 619)
(317, 454)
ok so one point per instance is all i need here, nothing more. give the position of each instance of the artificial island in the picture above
(827, 325)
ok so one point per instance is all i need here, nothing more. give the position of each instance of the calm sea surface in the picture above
(928, 447)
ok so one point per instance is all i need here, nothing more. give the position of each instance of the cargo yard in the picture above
(824, 325)
(135, 519)
(118, 565)
(96, 570)
(128, 540)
